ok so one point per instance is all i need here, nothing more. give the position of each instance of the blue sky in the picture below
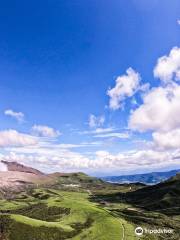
(59, 59)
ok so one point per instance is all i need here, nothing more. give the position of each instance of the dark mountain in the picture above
(164, 196)
(147, 178)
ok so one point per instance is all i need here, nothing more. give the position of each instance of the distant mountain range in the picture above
(147, 178)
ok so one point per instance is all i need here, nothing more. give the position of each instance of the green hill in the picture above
(75, 206)
(164, 196)
(51, 214)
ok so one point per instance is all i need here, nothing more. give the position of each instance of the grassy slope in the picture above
(155, 206)
(162, 197)
(102, 224)
(105, 226)
(90, 211)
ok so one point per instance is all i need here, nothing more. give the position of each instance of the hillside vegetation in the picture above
(52, 214)
(76, 206)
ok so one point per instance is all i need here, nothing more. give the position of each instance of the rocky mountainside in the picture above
(14, 180)
(17, 167)
(18, 176)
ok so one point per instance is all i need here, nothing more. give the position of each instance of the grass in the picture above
(38, 223)
(85, 220)
(87, 213)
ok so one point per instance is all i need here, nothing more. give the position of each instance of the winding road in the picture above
(117, 218)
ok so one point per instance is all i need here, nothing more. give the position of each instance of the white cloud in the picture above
(109, 132)
(99, 130)
(19, 116)
(168, 67)
(44, 131)
(122, 135)
(103, 130)
(49, 156)
(178, 21)
(96, 121)
(167, 140)
(143, 159)
(12, 138)
(66, 160)
(160, 110)
(126, 86)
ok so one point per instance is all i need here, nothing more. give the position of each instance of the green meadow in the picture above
(54, 214)
(90, 210)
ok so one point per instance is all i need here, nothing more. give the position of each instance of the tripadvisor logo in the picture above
(139, 231)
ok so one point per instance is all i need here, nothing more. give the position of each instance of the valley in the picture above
(79, 207)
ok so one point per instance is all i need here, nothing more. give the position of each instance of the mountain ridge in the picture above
(17, 167)
(147, 178)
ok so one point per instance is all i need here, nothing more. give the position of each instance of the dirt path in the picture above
(117, 218)
(123, 236)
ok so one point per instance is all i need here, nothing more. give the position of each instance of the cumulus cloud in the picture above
(44, 131)
(66, 160)
(126, 86)
(48, 157)
(96, 121)
(12, 138)
(178, 21)
(133, 159)
(160, 110)
(167, 140)
(19, 116)
(168, 67)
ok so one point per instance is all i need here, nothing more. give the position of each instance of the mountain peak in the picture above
(17, 167)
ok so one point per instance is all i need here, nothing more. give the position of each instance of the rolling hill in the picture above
(164, 196)
(57, 206)
(75, 206)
